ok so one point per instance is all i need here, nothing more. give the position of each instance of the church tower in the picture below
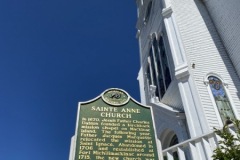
(190, 69)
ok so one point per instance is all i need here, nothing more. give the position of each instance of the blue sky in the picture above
(53, 54)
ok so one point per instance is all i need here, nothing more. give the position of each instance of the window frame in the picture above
(213, 101)
(153, 51)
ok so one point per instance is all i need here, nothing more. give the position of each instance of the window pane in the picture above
(149, 75)
(152, 66)
(151, 54)
(165, 65)
(160, 84)
(221, 99)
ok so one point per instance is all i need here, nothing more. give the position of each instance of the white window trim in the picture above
(225, 85)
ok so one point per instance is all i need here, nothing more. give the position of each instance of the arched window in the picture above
(157, 71)
(173, 142)
(221, 99)
(170, 139)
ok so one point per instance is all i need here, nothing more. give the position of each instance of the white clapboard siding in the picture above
(226, 17)
(204, 48)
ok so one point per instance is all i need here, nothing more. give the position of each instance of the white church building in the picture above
(190, 71)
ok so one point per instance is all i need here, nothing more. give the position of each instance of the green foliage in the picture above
(229, 146)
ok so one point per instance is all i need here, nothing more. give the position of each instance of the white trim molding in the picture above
(181, 71)
(166, 12)
(225, 85)
(206, 81)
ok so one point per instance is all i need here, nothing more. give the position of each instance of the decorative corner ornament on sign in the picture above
(115, 97)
